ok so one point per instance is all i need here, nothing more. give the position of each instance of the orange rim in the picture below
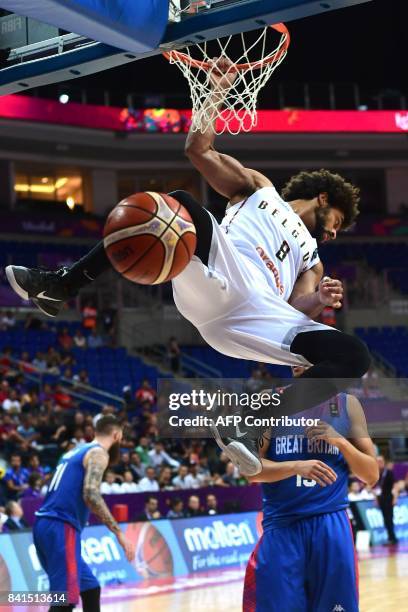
(279, 27)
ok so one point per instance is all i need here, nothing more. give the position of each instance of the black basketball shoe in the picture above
(243, 452)
(48, 290)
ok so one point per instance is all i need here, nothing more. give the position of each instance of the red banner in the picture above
(24, 108)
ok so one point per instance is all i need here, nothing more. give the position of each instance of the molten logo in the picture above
(218, 535)
(122, 254)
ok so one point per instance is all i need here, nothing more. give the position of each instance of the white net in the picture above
(224, 91)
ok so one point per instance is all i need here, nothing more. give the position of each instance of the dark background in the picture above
(366, 44)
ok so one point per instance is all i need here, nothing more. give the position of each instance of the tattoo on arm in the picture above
(96, 466)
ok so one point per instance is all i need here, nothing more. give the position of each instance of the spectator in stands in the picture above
(27, 430)
(32, 404)
(89, 316)
(357, 492)
(146, 393)
(255, 383)
(32, 323)
(16, 477)
(35, 483)
(123, 464)
(151, 510)
(53, 361)
(12, 404)
(110, 485)
(39, 362)
(211, 504)
(24, 365)
(176, 508)
(65, 340)
(328, 316)
(34, 466)
(386, 497)
(94, 339)
(164, 479)
(183, 479)
(149, 483)
(142, 450)
(203, 470)
(79, 339)
(197, 479)
(136, 466)
(174, 355)
(6, 368)
(129, 485)
(62, 397)
(81, 378)
(7, 320)
(159, 457)
(16, 520)
(77, 439)
(230, 478)
(4, 390)
(193, 506)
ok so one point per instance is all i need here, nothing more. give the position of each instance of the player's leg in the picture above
(267, 329)
(57, 547)
(275, 574)
(332, 570)
(49, 290)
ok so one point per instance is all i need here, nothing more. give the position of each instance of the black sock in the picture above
(88, 268)
(337, 357)
(91, 600)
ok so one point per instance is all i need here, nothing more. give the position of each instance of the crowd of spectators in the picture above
(39, 423)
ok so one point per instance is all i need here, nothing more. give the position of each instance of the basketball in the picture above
(149, 238)
(154, 558)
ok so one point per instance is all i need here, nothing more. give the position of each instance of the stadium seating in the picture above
(390, 343)
(108, 368)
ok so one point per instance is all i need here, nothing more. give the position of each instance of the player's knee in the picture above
(355, 355)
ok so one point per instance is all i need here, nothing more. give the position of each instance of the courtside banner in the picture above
(167, 120)
(219, 541)
(373, 521)
(164, 549)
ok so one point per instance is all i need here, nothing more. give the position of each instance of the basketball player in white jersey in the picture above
(255, 284)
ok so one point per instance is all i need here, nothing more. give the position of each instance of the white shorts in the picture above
(234, 308)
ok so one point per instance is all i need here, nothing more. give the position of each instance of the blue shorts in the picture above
(308, 566)
(58, 547)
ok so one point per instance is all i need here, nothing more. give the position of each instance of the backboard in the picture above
(106, 38)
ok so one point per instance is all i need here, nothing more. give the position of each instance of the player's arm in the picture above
(359, 450)
(274, 471)
(224, 173)
(96, 461)
(312, 293)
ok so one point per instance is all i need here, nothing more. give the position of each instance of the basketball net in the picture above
(231, 108)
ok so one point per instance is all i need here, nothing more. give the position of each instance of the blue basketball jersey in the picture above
(296, 497)
(64, 499)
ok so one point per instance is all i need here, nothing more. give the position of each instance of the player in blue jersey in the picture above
(73, 491)
(305, 560)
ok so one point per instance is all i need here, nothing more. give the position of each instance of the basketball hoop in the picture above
(234, 106)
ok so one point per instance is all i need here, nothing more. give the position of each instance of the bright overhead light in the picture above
(64, 98)
(70, 203)
(60, 182)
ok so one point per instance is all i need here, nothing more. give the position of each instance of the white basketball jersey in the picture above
(264, 229)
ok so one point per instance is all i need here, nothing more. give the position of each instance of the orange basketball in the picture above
(154, 558)
(149, 238)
